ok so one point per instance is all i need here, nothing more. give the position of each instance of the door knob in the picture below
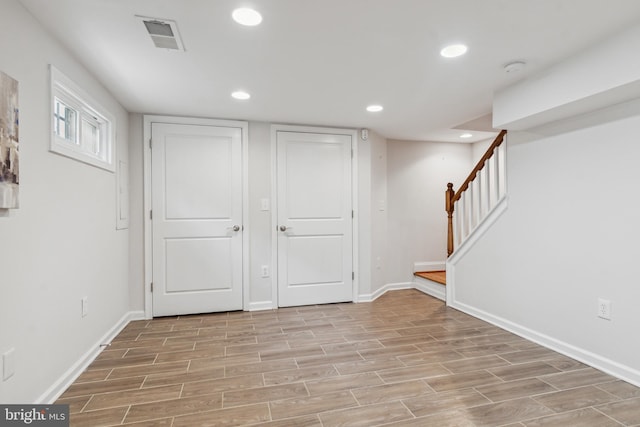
(283, 228)
(234, 228)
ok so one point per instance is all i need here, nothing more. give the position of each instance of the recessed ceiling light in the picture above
(242, 95)
(466, 135)
(374, 108)
(246, 16)
(453, 50)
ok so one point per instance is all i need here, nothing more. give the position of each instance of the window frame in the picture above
(65, 91)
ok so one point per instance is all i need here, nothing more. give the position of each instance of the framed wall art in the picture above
(9, 137)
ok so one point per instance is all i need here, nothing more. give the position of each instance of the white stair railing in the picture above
(478, 195)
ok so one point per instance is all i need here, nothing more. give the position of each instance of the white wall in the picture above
(136, 217)
(62, 243)
(418, 173)
(372, 214)
(260, 221)
(364, 212)
(379, 212)
(569, 236)
(478, 149)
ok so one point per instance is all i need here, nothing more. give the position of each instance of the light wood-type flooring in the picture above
(402, 360)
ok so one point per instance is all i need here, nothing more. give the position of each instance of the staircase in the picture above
(431, 282)
(469, 210)
(478, 196)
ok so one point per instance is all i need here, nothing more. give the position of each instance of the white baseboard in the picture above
(261, 306)
(77, 368)
(381, 291)
(429, 287)
(603, 364)
(429, 266)
(436, 290)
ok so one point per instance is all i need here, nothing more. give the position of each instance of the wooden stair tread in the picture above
(436, 276)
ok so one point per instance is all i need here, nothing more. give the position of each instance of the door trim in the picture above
(148, 120)
(353, 133)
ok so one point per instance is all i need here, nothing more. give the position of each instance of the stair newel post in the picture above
(449, 194)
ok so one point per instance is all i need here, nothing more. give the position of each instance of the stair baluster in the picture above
(477, 197)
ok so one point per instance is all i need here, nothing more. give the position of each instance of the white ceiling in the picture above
(321, 62)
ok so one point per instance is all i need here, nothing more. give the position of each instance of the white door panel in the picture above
(319, 193)
(198, 177)
(198, 264)
(197, 202)
(307, 268)
(314, 218)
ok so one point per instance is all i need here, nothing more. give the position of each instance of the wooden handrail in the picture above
(452, 197)
(495, 144)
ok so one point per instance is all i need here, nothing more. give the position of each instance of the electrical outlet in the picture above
(265, 270)
(8, 364)
(604, 309)
(85, 306)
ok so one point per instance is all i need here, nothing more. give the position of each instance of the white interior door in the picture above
(197, 218)
(314, 218)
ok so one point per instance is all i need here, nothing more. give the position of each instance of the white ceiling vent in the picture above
(164, 33)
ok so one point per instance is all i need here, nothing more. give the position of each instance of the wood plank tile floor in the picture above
(402, 360)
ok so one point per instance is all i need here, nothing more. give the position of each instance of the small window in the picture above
(81, 128)
(65, 120)
(91, 136)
